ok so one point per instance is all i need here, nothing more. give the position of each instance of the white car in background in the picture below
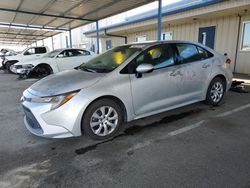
(30, 53)
(53, 62)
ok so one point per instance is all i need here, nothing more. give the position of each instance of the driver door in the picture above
(160, 89)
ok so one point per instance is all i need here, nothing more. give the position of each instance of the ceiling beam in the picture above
(22, 34)
(43, 14)
(68, 10)
(19, 38)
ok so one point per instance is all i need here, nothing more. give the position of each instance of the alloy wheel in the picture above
(104, 121)
(216, 92)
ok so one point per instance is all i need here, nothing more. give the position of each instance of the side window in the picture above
(40, 50)
(159, 56)
(245, 38)
(108, 44)
(66, 53)
(203, 54)
(141, 38)
(187, 52)
(30, 51)
(83, 52)
(73, 53)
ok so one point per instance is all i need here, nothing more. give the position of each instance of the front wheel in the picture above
(8, 66)
(215, 92)
(41, 71)
(102, 120)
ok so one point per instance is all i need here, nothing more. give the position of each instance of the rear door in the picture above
(195, 65)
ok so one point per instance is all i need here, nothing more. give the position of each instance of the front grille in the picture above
(31, 120)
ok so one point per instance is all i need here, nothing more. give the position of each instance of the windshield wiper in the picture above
(87, 69)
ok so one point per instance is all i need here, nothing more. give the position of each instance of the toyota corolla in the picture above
(125, 83)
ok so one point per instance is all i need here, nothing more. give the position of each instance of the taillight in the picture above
(228, 61)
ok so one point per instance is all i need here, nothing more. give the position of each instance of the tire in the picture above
(8, 65)
(42, 71)
(94, 124)
(215, 92)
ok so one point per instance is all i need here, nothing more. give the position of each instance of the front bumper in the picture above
(17, 69)
(62, 122)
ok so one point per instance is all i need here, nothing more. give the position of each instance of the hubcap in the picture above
(104, 121)
(217, 92)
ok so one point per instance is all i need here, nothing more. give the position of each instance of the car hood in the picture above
(21, 57)
(64, 82)
(32, 61)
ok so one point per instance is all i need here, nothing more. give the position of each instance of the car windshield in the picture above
(52, 54)
(111, 59)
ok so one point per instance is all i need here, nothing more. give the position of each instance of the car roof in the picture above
(145, 45)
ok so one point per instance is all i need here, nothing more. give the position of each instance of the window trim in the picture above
(242, 36)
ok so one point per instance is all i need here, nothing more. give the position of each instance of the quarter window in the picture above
(203, 54)
(246, 37)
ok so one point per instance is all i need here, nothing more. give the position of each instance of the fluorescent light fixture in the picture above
(31, 27)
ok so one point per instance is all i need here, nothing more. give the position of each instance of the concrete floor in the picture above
(195, 146)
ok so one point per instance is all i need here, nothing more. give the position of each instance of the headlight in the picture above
(28, 66)
(55, 101)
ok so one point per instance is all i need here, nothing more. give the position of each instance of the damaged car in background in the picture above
(123, 84)
(6, 53)
(53, 62)
(30, 53)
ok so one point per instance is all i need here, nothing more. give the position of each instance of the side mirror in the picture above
(144, 68)
(60, 56)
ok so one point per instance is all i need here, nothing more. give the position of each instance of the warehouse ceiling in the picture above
(26, 21)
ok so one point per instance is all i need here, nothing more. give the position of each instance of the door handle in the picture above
(176, 73)
(206, 65)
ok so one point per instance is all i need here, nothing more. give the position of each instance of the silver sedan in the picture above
(125, 83)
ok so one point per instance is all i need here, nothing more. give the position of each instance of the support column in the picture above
(159, 19)
(70, 39)
(43, 42)
(52, 41)
(97, 38)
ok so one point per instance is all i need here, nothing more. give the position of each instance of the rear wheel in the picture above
(216, 91)
(103, 119)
